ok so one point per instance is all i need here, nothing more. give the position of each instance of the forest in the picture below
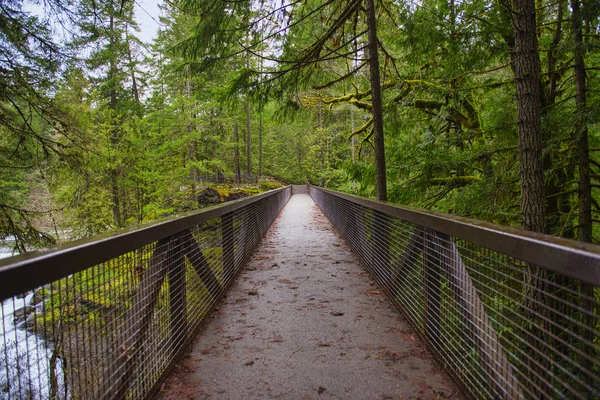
(483, 109)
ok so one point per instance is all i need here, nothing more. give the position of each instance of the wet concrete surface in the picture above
(304, 321)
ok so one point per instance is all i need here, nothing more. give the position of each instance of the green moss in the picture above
(269, 185)
(227, 192)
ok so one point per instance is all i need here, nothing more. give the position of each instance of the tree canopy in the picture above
(448, 105)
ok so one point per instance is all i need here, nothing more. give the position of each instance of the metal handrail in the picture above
(575, 259)
(24, 272)
(107, 317)
(510, 314)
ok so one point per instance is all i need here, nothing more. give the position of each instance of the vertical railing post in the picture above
(177, 291)
(432, 286)
(227, 244)
(407, 262)
(134, 325)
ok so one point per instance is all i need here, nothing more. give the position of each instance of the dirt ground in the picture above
(304, 321)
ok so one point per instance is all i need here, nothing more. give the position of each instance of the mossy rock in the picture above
(236, 196)
(227, 193)
(269, 185)
(208, 197)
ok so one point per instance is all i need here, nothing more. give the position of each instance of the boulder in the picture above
(208, 197)
(236, 195)
(20, 314)
(39, 296)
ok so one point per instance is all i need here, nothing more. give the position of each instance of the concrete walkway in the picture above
(304, 321)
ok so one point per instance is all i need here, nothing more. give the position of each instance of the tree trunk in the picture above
(260, 127)
(377, 107)
(552, 73)
(236, 155)
(581, 129)
(113, 62)
(381, 237)
(321, 147)
(585, 188)
(260, 145)
(134, 85)
(114, 171)
(248, 144)
(558, 202)
(527, 73)
(192, 143)
(352, 139)
(194, 173)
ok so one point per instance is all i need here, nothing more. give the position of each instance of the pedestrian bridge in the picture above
(304, 293)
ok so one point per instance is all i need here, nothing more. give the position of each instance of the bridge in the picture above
(304, 292)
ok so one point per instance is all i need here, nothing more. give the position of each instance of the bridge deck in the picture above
(304, 321)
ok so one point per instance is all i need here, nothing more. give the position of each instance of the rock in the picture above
(208, 197)
(34, 324)
(20, 314)
(39, 296)
(22, 295)
(235, 196)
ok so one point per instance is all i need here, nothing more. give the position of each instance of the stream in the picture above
(24, 356)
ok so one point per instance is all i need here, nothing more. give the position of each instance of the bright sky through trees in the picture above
(147, 14)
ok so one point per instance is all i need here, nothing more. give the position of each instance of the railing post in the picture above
(432, 286)
(408, 260)
(227, 244)
(177, 291)
(193, 252)
(469, 307)
(133, 328)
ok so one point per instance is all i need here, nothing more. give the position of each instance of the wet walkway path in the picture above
(304, 321)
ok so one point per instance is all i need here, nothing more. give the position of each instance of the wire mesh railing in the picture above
(106, 318)
(510, 314)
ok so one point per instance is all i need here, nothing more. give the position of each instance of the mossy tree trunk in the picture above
(376, 102)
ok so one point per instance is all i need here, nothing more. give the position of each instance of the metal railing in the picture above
(107, 317)
(510, 314)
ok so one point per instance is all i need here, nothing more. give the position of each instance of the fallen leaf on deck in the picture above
(277, 339)
(408, 337)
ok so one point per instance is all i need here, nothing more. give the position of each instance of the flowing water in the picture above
(24, 356)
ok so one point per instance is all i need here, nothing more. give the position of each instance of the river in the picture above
(24, 356)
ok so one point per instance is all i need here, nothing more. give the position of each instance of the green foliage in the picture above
(269, 185)
(113, 141)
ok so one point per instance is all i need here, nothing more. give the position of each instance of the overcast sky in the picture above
(147, 13)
